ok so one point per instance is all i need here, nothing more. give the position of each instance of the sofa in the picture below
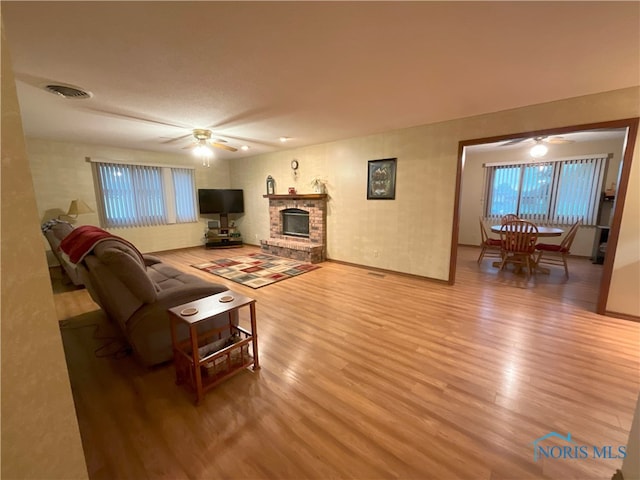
(136, 290)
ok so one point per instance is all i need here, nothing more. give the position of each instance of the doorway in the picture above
(628, 126)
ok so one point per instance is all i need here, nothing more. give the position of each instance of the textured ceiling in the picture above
(314, 72)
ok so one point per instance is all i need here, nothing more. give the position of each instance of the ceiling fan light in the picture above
(203, 150)
(538, 150)
(244, 147)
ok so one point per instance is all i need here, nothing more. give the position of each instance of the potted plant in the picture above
(319, 185)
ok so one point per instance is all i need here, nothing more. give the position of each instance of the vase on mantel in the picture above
(319, 185)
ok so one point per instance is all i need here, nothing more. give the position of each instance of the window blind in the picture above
(579, 186)
(184, 190)
(144, 195)
(558, 192)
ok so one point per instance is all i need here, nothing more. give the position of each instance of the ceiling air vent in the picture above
(67, 91)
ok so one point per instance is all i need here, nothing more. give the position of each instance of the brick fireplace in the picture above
(297, 244)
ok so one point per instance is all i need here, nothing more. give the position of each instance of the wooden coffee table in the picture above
(205, 359)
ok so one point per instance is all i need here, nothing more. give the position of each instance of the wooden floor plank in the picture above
(370, 374)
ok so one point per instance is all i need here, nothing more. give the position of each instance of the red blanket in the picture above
(82, 240)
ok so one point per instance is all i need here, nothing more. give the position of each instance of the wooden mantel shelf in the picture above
(304, 196)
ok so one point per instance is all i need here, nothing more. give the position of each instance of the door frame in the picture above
(612, 243)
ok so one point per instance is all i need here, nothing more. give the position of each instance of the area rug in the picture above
(256, 269)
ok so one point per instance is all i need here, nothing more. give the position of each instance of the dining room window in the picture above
(557, 192)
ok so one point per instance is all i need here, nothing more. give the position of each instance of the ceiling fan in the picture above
(202, 137)
(535, 140)
(202, 143)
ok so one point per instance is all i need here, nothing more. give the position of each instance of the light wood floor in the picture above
(367, 375)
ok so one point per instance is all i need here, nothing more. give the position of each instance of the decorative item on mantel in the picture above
(292, 190)
(271, 185)
(319, 185)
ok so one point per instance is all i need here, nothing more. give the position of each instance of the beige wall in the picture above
(40, 436)
(412, 234)
(625, 282)
(60, 174)
(472, 198)
(631, 463)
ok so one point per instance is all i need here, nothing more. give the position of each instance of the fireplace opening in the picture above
(295, 222)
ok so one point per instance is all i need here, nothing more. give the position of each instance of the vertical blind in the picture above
(141, 196)
(183, 186)
(579, 189)
(559, 192)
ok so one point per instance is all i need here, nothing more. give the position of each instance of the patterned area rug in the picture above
(257, 269)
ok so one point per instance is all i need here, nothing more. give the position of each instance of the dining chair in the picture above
(518, 243)
(551, 254)
(509, 217)
(490, 246)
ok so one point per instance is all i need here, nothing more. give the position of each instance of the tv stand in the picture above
(223, 237)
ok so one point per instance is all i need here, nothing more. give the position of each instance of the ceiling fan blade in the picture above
(182, 137)
(134, 116)
(513, 142)
(223, 146)
(251, 141)
(213, 144)
(558, 140)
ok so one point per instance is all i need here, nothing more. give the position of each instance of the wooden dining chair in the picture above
(551, 254)
(518, 243)
(510, 217)
(490, 246)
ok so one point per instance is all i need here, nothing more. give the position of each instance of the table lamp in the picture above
(77, 207)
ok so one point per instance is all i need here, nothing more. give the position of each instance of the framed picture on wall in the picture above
(381, 179)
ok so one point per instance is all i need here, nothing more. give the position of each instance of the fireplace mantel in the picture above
(298, 196)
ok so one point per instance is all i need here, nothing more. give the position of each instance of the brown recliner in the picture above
(137, 294)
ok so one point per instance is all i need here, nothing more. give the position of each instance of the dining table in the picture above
(542, 232)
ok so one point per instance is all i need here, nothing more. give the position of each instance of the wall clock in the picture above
(294, 164)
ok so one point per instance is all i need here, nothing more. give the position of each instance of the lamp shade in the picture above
(77, 207)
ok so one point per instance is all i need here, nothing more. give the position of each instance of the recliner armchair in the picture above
(136, 292)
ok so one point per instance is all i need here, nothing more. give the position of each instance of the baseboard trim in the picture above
(623, 316)
(386, 271)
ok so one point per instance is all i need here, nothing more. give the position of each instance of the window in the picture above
(559, 192)
(144, 195)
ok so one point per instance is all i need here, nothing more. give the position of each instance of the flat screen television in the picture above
(220, 200)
